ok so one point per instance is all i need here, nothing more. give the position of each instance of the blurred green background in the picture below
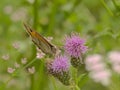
(98, 21)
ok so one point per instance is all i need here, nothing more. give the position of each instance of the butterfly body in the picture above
(40, 41)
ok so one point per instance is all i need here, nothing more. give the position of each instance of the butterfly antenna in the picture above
(28, 29)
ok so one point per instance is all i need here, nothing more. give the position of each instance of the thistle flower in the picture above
(75, 47)
(60, 64)
(59, 68)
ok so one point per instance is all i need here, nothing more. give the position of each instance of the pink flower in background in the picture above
(16, 45)
(114, 58)
(10, 70)
(93, 59)
(98, 70)
(24, 60)
(6, 57)
(96, 67)
(31, 70)
(17, 65)
(8, 9)
(116, 68)
(75, 46)
(102, 76)
(94, 63)
(40, 54)
(49, 39)
(31, 1)
(19, 14)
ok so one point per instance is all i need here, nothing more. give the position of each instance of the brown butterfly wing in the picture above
(40, 41)
(42, 44)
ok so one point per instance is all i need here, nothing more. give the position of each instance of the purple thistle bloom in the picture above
(75, 46)
(60, 64)
(59, 68)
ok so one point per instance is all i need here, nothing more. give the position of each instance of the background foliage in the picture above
(96, 20)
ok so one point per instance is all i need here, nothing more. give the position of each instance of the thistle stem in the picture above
(75, 78)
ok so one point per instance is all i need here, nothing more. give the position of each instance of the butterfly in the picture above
(40, 41)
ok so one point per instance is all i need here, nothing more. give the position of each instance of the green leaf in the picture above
(82, 79)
